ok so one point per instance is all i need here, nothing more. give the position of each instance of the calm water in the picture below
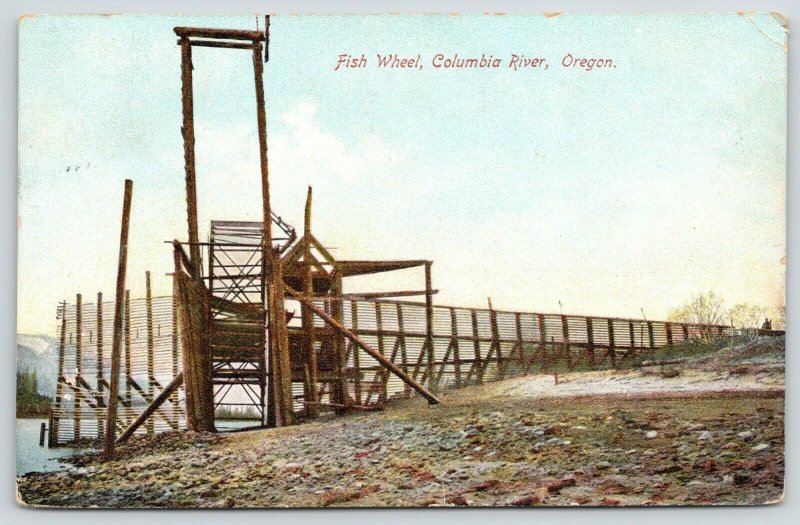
(33, 458)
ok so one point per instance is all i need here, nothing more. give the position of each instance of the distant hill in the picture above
(39, 354)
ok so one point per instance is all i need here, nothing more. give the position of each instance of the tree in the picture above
(705, 309)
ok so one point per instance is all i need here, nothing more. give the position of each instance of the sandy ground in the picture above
(712, 435)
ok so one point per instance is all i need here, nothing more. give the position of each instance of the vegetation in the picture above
(30, 403)
(245, 413)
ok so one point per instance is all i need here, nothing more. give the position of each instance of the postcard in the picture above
(465, 260)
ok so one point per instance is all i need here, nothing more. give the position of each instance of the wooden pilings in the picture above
(151, 369)
(429, 329)
(111, 416)
(76, 428)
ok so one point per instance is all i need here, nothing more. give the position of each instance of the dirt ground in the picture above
(597, 438)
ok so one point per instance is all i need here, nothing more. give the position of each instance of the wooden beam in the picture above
(111, 416)
(152, 407)
(99, 397)
(366, 347)
(151, 369)
(76, 429)
(429, 328)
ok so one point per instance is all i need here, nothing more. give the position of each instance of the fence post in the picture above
(113, 391)
(128, 358)
(456, 347)
(151, 369)
(100, 400)
(590, 340)
(650, 336)
(542, 341)
(356, 350)
(632, 350)
(403, 350)
(478, 364)
(433, 387)
(668, 328)
(612, 349)
(565, 340)
(78, 367)
(55, 418)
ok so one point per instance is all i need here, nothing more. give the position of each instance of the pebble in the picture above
(746, 435)
(705, 435)
(651, 434)
(760, 447)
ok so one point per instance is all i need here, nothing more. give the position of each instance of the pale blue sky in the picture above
(608, 190)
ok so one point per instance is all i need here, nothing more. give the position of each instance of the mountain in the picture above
(39, 353)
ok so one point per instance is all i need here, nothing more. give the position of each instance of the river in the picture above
(33, 458)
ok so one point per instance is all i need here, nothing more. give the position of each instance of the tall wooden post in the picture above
(78, 367)
(151, 369)
(429, 329)
(111, 417)
(565, 341)
(337, 311)
(668, 328)
(542, 341)
(356, 351)
(100, 387)
(311, 392)
(188, 148)
(55, 416)
(174, 334)
(612, 349)
(590, 340)
(128, 357)
(456, 349)
(476, 346)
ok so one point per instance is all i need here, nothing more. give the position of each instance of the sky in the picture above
(603, 192)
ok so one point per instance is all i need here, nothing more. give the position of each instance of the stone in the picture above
(603, 465)
(705, 435)
(760, 447)
(650, 434)
(747, 435)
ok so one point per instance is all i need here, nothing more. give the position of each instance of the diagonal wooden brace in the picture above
(367, 348)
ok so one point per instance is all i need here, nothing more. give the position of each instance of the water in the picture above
(33, 458)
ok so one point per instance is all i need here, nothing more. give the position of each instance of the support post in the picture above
(151, 369)
(632, 334)
(337, 310)
(55, 416)
(612, 349)
(429, 329)
(476, 343)
(650, 336)
(456, 349)
(310, 387)
(501, 370)
(356, 357)
(590, 340)
(668, 328)
(401, 340)
(111, 416)
(565, 341)
(76, 430)
(128, 357)
(174, 334)
(100, 387)
(542, 341)
(188, 148)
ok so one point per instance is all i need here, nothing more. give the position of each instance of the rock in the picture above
(705, 435)
(747, 435)
(760, 447)
(650, 434)
(603, 465)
